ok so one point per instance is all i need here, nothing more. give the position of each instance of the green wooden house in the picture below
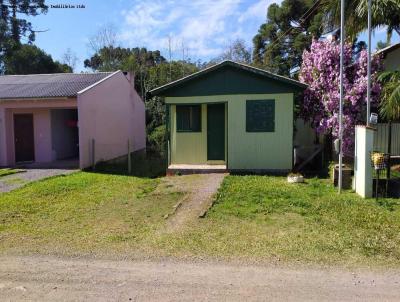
(230, 117)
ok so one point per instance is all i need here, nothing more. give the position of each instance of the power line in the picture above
(301, 21)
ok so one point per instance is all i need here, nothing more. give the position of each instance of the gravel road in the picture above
(53, 279)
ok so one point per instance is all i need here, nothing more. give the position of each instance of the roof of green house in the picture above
(229, 77)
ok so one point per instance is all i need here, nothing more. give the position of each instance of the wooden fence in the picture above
(382, 135)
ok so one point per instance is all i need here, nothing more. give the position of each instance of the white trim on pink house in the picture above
(97, 83)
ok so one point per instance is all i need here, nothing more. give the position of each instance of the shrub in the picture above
(156, 139)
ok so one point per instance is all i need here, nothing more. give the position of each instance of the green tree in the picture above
(136, 60)
(384, 13)
(159, 75)
(279, 44)
(390, 97)
(390, 102)
(29, 59)
(382, 45)
(13, 27)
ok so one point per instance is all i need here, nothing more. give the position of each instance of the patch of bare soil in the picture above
(199, 193)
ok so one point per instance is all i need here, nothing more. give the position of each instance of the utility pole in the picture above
(342, 42)
(183, 58)
(369, 64)
(170, 57)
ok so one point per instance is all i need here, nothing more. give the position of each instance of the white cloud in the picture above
(257, 10)
(204, 26)
(381, 29)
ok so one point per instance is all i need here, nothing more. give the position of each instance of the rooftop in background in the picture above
(47, 85)
(388, 49)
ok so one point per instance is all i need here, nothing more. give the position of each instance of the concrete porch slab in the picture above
(195, 169)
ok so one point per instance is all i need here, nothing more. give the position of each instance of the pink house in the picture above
(82, 118)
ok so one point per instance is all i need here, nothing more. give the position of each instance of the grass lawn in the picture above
(395, 172)
(9, 171)
(265, 217)
(83, 213)
(254, 217)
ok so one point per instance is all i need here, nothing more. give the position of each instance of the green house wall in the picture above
(244, 150)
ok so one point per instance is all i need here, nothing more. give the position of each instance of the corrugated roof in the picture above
(47, 85)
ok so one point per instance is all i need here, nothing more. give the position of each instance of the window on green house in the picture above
(260, 116)
(188, 118)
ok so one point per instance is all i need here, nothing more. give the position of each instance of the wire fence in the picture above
(126, 159)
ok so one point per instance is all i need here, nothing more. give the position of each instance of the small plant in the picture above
(295, 178)
(331, 168)
(379, 160)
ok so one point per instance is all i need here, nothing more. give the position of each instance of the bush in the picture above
(156, 139)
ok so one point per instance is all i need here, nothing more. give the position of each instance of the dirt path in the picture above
(51, 279)
(199, 190)
(15, 181)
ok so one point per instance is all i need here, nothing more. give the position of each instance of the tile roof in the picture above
(47, 85)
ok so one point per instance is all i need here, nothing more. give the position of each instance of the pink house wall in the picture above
(41, 133)
(3, 139)
(41, 123)
(110, 112)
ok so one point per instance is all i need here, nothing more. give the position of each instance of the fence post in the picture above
(93, 154)
(129, 159)
(389, 151)
(168, 153)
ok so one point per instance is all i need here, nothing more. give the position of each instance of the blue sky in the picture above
(204, 27)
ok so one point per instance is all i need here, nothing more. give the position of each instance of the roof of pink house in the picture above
(47, 85)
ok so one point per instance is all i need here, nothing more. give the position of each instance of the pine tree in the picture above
(290, 28)
(13, 27)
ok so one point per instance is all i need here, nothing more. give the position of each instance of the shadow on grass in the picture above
(388, 204)
(323, 174)
(147, 165)
(259, 173)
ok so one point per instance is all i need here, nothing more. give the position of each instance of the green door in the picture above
(216, 131)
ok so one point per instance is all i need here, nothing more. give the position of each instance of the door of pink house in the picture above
(23, 137)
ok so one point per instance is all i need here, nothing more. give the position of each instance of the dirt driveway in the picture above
(200, 191)
(52, 279)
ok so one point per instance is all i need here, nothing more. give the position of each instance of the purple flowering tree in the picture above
(320, 70)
